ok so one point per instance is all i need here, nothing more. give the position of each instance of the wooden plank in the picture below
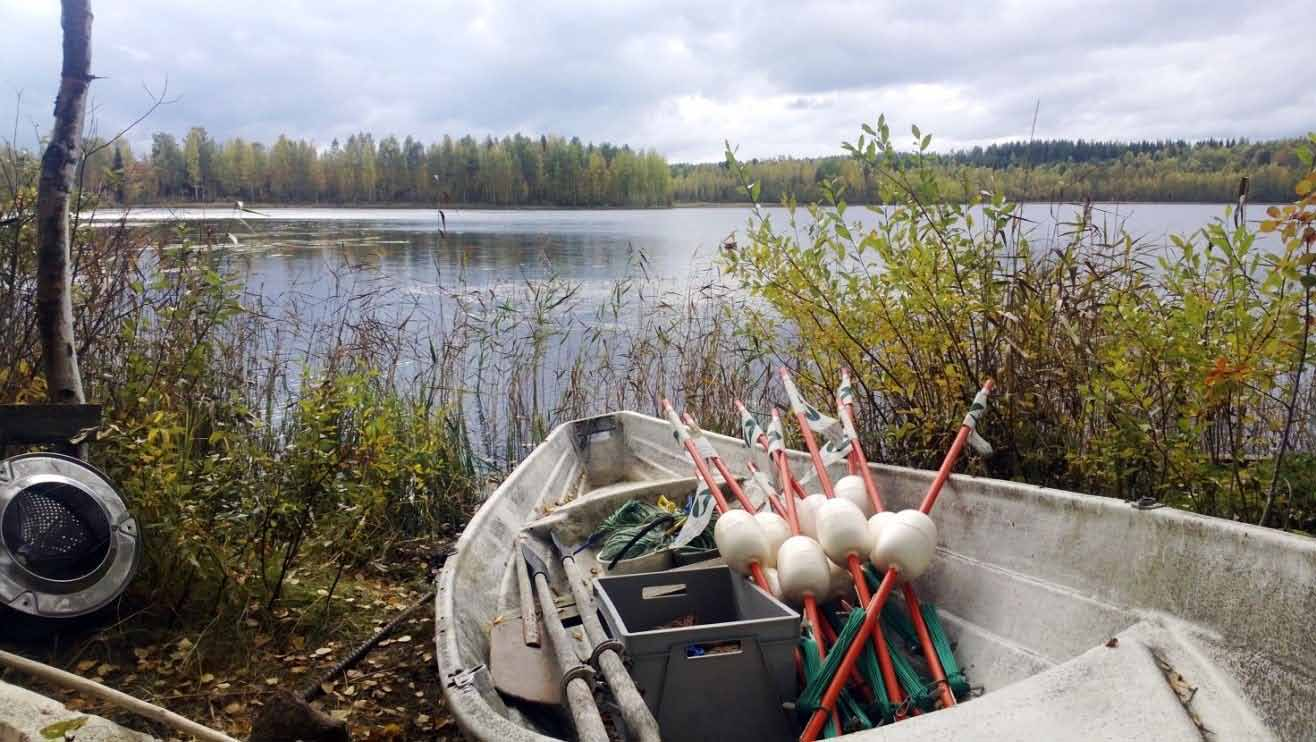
(529, 619)
(46, 423)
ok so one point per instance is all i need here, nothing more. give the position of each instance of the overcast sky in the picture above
(773, 77)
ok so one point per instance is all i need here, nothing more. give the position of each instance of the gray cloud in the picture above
(773, 77)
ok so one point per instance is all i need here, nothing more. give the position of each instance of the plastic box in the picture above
(723, 677)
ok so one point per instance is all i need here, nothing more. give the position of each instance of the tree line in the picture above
(556, 171)
(1048, 170)
(512, 171)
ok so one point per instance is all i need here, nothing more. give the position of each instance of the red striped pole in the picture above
(755, 569)
(874, 606)
(911, 599)
(884, 661)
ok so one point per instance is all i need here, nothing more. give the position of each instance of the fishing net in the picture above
(638, 528)
(897, 621)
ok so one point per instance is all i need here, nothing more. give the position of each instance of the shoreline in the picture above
(229, 206)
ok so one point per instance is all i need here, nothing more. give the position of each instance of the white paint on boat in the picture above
(1033, 584)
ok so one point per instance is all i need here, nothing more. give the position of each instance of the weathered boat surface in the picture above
(1078, 615)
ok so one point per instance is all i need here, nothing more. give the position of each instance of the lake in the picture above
(490, 248)
(459, 306)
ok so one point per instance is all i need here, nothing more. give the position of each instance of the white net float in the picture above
(907, 542)
(842, 530)
(774, 582)
(777, 530)
(875, 525)
(802, 569)
(840, 583)
(807, 511)
(851, 487)
(740, 540)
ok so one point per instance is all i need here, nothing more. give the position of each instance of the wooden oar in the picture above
(576, 676)
(874, 606)
(606, 654)
(845, 408)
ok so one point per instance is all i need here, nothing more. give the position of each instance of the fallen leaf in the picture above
(1114, 642)
(404, 639)
(271, 681)
(341, 714)
(322, 651)
(61, 729)
(86, 665)
(207, 678)
(233, 708)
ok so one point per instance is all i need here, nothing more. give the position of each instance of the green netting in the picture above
(920, 692)
(959, 684)
(897, 621)
(871, 672)
(811, 697)
(812, 671)
(620, 528)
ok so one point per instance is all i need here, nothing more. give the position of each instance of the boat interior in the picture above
(1072, 616)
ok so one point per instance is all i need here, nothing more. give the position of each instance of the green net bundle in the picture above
(631, 519)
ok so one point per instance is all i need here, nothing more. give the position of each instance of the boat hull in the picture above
(1080, 616)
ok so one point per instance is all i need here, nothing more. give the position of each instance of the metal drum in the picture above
(68, 545)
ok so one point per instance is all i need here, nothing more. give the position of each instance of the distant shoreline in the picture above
(228, 206)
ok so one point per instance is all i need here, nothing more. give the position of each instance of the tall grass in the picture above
(259, 438)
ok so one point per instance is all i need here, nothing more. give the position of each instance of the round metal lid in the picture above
(68, 545)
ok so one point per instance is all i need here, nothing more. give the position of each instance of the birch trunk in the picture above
(54, 305)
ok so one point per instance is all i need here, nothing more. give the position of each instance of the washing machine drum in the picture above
(68, 545)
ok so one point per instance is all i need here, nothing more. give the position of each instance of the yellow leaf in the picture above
(86, 665)
(1303, 187)
(61, 729)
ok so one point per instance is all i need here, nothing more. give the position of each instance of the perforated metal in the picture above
(56, 530)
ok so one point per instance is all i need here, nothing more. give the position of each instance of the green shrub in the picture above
(1124, 368)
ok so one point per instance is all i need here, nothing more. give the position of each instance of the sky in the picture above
(773, 78)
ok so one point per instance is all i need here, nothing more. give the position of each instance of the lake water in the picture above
(319, 271)
(491, 248)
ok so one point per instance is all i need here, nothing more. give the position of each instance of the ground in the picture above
(219, 676)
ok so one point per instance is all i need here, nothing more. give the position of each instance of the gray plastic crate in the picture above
(723, 678)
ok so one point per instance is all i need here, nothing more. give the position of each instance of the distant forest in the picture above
(1050, 170)
(513, 171)
(555, 171)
